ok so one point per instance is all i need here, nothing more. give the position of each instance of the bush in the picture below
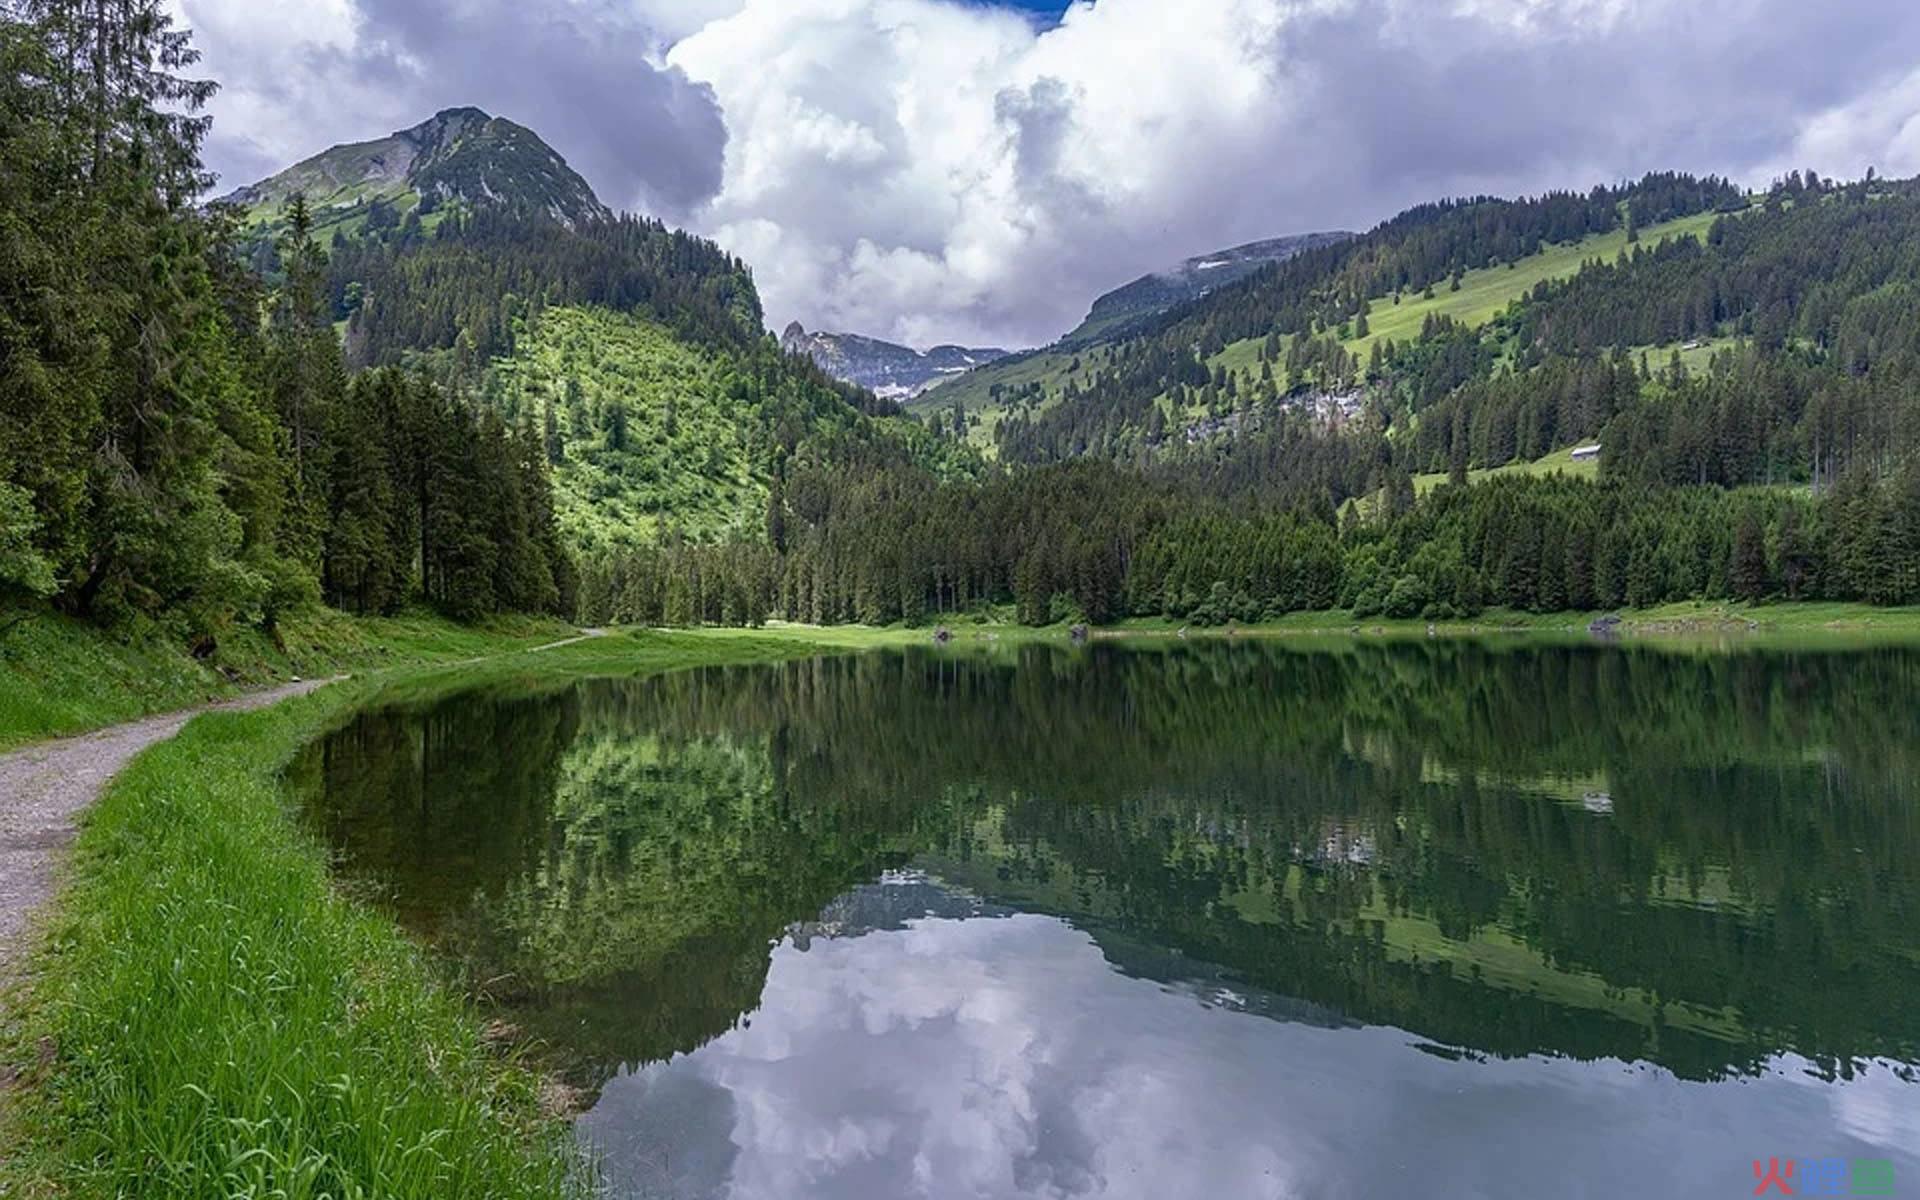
(1408, 597)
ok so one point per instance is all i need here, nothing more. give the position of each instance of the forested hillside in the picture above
(1748, 369)
(462, 288)
(635, 354)
(179, 446)
(213, 415)
(650, 436)
(504, 410)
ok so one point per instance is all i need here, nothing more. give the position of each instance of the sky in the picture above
(936, 171)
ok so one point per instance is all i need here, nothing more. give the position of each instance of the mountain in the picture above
(1385, 321)
(886, 369)
(1124, 308)
(1120, 314)
(460, 157)
(637, 355)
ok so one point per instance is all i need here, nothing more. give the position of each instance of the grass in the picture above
(210, 1017)
(1560, 462)
(1799, 617)
(1810, 620)
(60, 676)
(223, 1024)
(1696, 360)
(1484, 294)
(1686, 618)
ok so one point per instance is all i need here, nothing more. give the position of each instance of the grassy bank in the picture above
(60, 676)
(1690, 618)
(211, 1018)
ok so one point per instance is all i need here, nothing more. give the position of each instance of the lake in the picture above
(1185, 919)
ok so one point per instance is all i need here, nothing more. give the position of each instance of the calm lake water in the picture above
(1196, 920)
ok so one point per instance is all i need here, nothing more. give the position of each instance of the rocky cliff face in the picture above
(884, 368)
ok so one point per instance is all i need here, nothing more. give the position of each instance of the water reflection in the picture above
(1214, 866)
(963, 1058)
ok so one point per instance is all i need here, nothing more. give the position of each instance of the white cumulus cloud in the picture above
(933, 170)
(927, 171)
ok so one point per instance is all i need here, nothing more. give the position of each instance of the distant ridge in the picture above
(887, 370)
(1119, 311)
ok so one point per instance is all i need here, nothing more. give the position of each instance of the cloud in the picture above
(1880, 130)
(299, 75)
(1008, 1057)
(929, 170)
(1010, 172)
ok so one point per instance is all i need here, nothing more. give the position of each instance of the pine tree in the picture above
(1792, 553)
(307, 375)
(1747, 573)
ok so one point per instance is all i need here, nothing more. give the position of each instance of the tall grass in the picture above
(211, 1018)
(60, 676)
(222, 1023)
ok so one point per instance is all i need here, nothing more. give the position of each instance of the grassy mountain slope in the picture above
(460, 157)
(1484, 294)
(648, 432)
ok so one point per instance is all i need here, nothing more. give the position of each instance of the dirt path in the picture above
(586, 635)
(44, 787)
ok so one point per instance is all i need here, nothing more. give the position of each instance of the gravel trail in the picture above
(44, 787)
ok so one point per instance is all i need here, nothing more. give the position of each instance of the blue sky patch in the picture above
(1046, 11)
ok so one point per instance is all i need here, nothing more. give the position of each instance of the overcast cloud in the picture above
(929, 171)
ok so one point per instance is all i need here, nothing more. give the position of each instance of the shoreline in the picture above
(140, 1022)
(200, 965)
(63, 679)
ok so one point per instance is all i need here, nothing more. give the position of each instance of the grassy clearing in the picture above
(1560, 462)
(1485, 294)
(218, 1021)
(59, 676)
(1696, 356)
(1815, 621)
